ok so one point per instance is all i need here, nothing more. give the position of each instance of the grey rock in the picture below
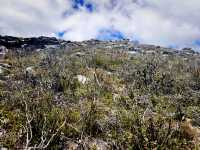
(148, 113)
(30, 70)
(3, 52)
(2, 132)
(79, 54)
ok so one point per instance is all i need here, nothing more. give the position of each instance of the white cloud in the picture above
(32, 17)
(162, 22)
(83, 26)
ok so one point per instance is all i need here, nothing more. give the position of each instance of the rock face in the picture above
(33, 43)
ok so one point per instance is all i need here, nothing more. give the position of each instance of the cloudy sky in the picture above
(162, 22)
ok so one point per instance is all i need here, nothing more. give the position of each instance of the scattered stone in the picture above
(3, 148)
(148, 113)
(4, 121)
(79, 54)
(144, 100)
(71, 146)
(88, 143)
(30, 70)
(2, 83)
(4, 71)
(1, 71)
(2, 132)
(132, 52)
(150, 52)
(28, 43)
(3, 52)
(82, 79)
(5, 65)
(99, 145)
(41, 43)
(59, 100)
(188, 51)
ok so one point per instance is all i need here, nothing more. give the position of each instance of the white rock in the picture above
(1, 70)
(132, 52)
(108, 72)
(29, 70)
(82, 79)
(3, 49)
(51, 46)
(5, 65)
(3, 52)
(3, 148)
(4, 121)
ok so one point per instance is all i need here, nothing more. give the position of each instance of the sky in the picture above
(172, 23)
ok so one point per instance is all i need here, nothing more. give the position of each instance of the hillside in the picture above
(57, 94)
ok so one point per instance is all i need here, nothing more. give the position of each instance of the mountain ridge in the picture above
(42, 42)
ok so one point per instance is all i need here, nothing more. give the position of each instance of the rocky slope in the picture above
(34, 43)
(57, 94)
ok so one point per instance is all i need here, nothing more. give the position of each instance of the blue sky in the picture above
(160, 22)
(77, 4)
(110, 34)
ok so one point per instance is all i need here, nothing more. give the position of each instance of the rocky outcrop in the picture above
(33, 43)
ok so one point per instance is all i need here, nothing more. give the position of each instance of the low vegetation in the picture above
(101, 99)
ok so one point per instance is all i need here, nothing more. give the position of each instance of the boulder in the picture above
(82, 79)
